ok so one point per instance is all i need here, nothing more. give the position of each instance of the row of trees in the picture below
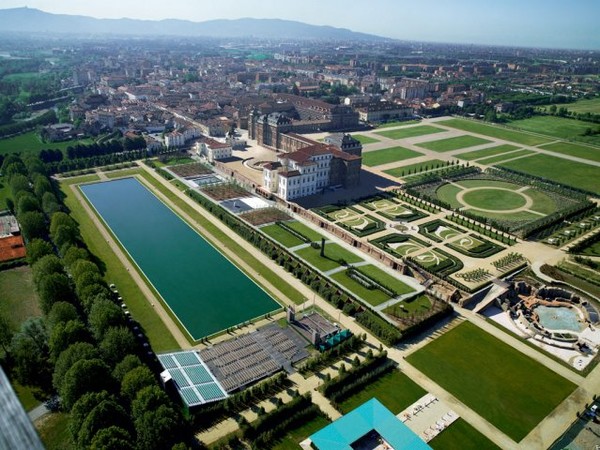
(26, 125)
(81, 348)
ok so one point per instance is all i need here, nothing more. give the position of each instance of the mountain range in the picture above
(30, 20)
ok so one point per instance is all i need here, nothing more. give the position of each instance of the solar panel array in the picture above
(195, 383)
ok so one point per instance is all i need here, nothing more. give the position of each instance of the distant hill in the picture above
(31, 20)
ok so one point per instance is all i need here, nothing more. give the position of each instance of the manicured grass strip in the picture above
(223, 239)
(486, 152)
(505, 157)
(159, 335)
(123, 173)
(496, 132)
(386, 279)
(89, 178)
(542, 202)
(54, 431)
(559, 127)
(333, 254)
(404, 133)
(498, 382)
(364, 140)
(398, 123)
(461, 436)
(447, 193)
(580, 151)
(418, 305)
(416, 167)
(19, 300)
(31, 142)
(306, 231)
(388, 155)
(567, 172)
(394, 390)
(25, 395)
(477, 182)
(281, 235)
(454, 143)
(372, 296)
(292, 439)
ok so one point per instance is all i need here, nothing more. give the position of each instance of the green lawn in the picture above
(498, 382)
(388, 155)
(486, 152)
(461, 436)
(403, 133)
(567, 172)
(372, 296)
(394, 390)
(447, 193)
(386, 279)
(542, 202)
(306, 231)
(398, 123)
(559, 127)
(505, 157)
(591, 250)
(583, 106)
(281, 235)
(27, 395)
(420, 304)
(580, 151)
(18, 299)
(364, 140)
(292, 439)
(333, 253)
(416, 168)
(30, 142)
(494, 131)
(122, 173)
(478, 182)
(54, 432)
(455, 143)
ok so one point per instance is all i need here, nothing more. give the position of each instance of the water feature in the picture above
(559, 318)
(204, 289)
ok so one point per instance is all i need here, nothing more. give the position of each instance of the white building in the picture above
(213, 150)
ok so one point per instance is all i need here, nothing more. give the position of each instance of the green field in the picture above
(506, 157)
(54, 431)
(461, 436)
(583, 106)
(487, 152)
(386, 279)
(580, 151)
(498, 382)
(416, 305)
(30, 142)
(495, 132)
(455, 143)
(364, 140)
(394, 390)
(281, 235)
(398, 123)
(416, 168)
(388, 155)
(333, 254)
(403, 133)
(18, 299)
(305, 231)
(559, 127)
(570, 173)
(291, 441)
(372, 296)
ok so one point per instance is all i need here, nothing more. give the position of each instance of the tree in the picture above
(76, 352)
(112, 437)
(108, 413)
(6, 332)
(41, 186)
(36, 249)
(27, 202)
(148, 399)
(45, 266)
(66, 334)
(82, 266)
(29, 349)
(83, 407)
(33, 225)
(158, 429)
(127, 364)
(74, 253)
(88, 375)
(135, 380)
(61, 218)
(92, 293)
(103, 315)
(61, 312)
(53, 288)
(50, 204)
(117, 342)
(64, 235)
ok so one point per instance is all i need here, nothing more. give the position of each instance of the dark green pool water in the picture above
(204, 289)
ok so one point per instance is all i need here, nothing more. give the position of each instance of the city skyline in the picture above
(534, 23)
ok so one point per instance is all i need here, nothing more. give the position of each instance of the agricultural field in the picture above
(559, 127)
(505, 157)
(569, 173)
(454, 143)
(487, 152)
(410, 132)
(188, 170)
(334, 256)
(225, 191)
(364, 140)
(495, 132)
(388, 155)
(498, 382)
(400, 244)
(568, 148)
(261, 216)
(31, 142)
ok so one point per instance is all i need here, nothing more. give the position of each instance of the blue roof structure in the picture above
(371, 415)
(195, 382)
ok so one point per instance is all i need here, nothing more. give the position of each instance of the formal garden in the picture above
(400, 245)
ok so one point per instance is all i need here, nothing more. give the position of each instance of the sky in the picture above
(527, 23)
